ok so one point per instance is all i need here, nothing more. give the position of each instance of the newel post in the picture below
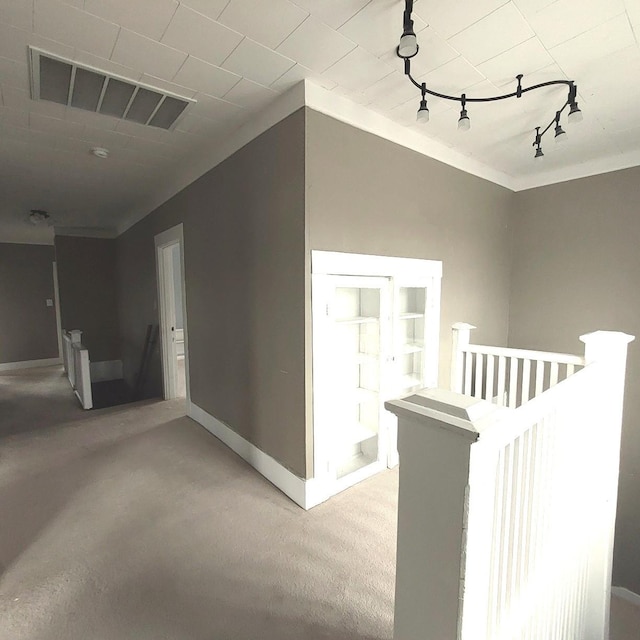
(607, 350)
(436, 430)
(460, 340)
(76, 336)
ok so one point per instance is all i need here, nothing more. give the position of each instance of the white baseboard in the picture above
(625, 594)
(30, 364)
(305, 493)
(106, 370)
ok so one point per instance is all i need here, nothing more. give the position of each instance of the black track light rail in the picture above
(464, 99)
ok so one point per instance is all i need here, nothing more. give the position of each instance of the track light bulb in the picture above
(408, 43)
(423, 112)
(464, 124)
(561, 134)
(575, 115)
(539, 153)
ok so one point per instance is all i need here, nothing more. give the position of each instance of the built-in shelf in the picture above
(411, 316)
(358, 320)
(411, 347)
(354, 432)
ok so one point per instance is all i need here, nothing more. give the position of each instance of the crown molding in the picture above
(363, 118)
(86, 232)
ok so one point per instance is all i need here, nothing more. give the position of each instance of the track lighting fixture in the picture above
(464, 124)
(423, 111)
(408, 48)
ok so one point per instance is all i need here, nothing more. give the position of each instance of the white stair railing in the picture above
(506, 516)
(77, 366)
(508, 377)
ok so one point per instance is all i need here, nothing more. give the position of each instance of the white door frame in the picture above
(166, 309)
(56, 302)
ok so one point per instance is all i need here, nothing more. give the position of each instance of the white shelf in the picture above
(411, 316)
(353, 433)
(357, 396)
(358, 320)
(411, 347)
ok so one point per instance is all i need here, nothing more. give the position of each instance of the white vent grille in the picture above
(66, 82)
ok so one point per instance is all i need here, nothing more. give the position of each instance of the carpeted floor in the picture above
(134, 523)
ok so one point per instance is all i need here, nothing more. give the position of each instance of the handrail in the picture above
(525, 354)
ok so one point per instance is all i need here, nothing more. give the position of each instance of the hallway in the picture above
(134, 522)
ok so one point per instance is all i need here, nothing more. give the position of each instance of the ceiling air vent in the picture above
(66, 82)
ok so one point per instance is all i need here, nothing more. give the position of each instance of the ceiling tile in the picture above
(96, 120)
(449, 18)
(433, 53)
(498, 32)
(256, 62)
(530, 7)
(332, 12)
(358, 70)
(17, 13)
(377, 27)
(250, 95)
(98, 137)
(604, 77)
(14, 117)
(14, 74)
(146, 55)
(354, 96)
(315, 46)
(142, 131)
(392, 91)
(524, 58)
(204, 127)
(13, 43)
(210, 8)
(200, 37)
(268, 22)
(40, 122)
(202, 76)
(147, 17)
(298, 73)
(564, 19)
(209, 107)
(59, 21)
(595, 44)
(452, 78)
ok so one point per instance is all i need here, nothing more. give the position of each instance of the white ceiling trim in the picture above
(343, 109)
(591, 168)
(86, 232)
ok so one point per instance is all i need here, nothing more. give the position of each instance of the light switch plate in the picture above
(49, 302)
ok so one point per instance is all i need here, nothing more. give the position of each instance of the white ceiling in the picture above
(236, 56)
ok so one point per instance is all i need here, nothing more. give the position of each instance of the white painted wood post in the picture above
(608, 351)
(76, 336)
(436, 431)
(460, 339)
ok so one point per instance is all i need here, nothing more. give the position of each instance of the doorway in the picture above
(173, 313)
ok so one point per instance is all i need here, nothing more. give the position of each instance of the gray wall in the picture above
(368, 195)
(88, 297)
(576, 268)
(244, 267)
(27, 325)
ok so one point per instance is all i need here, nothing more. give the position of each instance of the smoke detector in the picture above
(100, 152)
(39, 217)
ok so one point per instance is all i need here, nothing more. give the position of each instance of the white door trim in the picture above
(166, 309)
(56, 302)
